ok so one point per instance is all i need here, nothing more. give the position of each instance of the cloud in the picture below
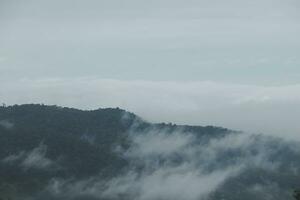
(261, 109)
(162, 40)
(181, 182)
(13, 158)
(175, 165)
(157, 143)
(2, 59)
(190, 168)
(36, 158)
(153, 172)
(6, 124)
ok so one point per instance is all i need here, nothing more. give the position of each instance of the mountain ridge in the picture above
(46, 152)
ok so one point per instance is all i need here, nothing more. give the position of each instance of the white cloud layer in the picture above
(243, 41)
(6, 124)
(36, 158)
(264, 109)
(183, 168)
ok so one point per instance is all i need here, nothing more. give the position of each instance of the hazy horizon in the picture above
(228, 63)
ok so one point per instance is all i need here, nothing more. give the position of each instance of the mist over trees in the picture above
(52, 152)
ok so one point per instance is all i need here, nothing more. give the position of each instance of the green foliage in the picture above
(82, 145)
(297, 194)
(80, 142)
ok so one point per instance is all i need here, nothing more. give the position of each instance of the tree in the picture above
(297, 194)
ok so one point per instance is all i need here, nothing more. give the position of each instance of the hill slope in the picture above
(50, 152)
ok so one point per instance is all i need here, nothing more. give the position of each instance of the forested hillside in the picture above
(51, 152)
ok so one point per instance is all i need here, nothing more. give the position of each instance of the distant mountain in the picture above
(51, 152)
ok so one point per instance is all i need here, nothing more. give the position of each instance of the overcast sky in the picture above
(210, 58)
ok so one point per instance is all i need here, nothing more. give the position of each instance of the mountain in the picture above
(51, 152)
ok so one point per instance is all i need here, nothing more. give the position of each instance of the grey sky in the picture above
(63, 51)
(234, 40)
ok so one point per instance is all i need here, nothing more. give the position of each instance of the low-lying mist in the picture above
(260, 109)
(169, 164)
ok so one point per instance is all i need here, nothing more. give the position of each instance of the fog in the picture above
(236, 41)
(179, 165)
(232, 63)
(154, 162)
(259, 109)
(31, 159)
(228, 63)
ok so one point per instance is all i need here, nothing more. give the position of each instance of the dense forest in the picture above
(52, 152)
